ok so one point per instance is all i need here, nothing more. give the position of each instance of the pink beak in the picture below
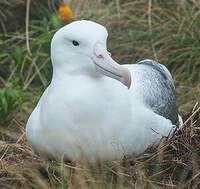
(107, 66)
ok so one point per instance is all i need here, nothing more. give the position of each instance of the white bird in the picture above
(87, 112)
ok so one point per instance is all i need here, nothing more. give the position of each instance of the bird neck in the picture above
(74, 67)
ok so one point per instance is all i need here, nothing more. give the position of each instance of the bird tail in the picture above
(180, 120)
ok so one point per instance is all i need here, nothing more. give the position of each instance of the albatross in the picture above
(96, 109)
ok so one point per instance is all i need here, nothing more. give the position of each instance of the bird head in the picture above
(81, 47)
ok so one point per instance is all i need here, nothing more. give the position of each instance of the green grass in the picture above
(11, 97)
(166, 31)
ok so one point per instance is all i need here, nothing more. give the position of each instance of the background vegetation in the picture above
(166, 31)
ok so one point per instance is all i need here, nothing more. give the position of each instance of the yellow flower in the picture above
(65, 13)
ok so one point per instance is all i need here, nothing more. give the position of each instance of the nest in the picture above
(174, 162)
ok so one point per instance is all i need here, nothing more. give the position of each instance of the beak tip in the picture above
(129, 86)
(127, 77)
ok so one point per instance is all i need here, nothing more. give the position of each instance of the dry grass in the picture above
(174, 163)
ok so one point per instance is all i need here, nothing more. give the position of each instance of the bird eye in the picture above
(75, 43)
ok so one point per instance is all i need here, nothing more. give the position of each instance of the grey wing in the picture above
(162, 97)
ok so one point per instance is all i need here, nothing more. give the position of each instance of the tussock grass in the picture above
(13, 13)
(166, 31)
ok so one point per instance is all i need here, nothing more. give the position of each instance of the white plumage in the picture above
(86, 114)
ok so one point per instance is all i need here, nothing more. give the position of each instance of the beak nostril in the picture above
(107, 66)
(100, 56)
